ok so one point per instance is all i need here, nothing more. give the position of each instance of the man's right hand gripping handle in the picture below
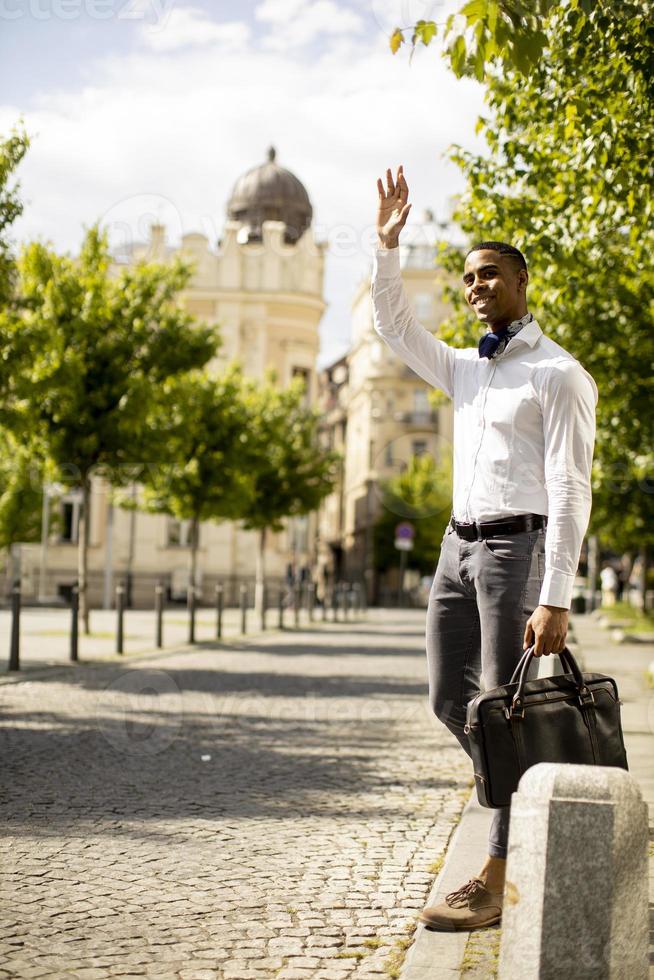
(393, 208)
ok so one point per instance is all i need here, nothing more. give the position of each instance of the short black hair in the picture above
(504, 249)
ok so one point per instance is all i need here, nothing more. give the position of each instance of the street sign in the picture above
(405, 530)
(403, 544)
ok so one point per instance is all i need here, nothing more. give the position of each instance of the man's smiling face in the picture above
(495, 288)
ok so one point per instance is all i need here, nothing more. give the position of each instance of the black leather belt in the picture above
(477, 531)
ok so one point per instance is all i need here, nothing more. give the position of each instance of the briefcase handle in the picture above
(569, 664)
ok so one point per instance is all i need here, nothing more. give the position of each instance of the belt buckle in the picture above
(477, 527)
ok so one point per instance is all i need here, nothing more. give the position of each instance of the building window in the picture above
(70, 518)
(421, 402)
(419, 447)
(179, 534)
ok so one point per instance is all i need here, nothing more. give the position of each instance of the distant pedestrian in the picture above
(610, 584)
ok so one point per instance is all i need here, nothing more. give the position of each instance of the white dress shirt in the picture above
(524, 425)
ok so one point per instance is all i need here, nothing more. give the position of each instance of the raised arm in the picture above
(393, 318)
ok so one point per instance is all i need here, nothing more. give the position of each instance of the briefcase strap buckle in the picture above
(517, 709)
(586, 696)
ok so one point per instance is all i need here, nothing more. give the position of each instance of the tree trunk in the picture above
(642, 578)
(83, 555)
(593, 570)
(260, 575)
(195, 528)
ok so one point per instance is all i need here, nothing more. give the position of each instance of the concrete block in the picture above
(576, 902)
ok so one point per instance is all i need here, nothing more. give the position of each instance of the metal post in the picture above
(14, 647)
(335, 602)
(280, 623)
(158, 608)
(120, 612)
(346, 600)
(191, 613)
(400, 588)
(263, 607)
(311, 598)
(324, 604)
(219, 612)
(296, 604)
(244, 607)
(74, 623)
(343, 598)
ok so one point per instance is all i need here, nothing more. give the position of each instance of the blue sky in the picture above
(142, 108)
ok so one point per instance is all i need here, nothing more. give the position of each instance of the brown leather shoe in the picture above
(470, 907)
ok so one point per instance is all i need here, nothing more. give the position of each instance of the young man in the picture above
(524, 429)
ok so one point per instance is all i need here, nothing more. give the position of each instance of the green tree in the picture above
(568, 179)
(421, 495)
(95, 348)
(291, 473)
(12, 151)
(204, 473)
(23, 473)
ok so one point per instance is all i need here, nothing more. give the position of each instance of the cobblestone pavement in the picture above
(272, 809)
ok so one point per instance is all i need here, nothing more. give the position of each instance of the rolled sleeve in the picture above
(568, 399)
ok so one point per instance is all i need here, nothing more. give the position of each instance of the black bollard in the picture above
(244, 607)
(335, 602)
(311, 599)
(263, 608)
(74, 623)
(324, 605)
(219, 612)
(14, 645)
(158, 611)
(280, 609)
(343, 599)
(297, 597)
(191, 613)
(120, 613)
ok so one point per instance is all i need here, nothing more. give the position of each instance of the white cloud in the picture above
(294, 23)
(166, 133)
(189, 27)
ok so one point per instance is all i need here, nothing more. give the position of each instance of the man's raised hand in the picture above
(393, 209)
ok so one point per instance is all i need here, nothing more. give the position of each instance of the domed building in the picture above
(262, 282)
(268, 192)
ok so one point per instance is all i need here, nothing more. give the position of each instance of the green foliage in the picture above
(291, 472)
(203, 427)
(12, 151)
(22, 476)
(568, 179)
(422, 495)
(489, 38)
(90, 350)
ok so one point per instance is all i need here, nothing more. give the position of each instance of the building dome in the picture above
(270, 193)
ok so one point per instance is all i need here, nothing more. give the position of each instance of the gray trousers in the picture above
(481, 597)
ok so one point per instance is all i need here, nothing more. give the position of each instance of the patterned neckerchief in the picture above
(513, 328)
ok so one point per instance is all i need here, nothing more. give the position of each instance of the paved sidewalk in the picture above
(269, 808)
(45, 632)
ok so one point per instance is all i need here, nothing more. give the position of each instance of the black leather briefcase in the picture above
(572, 717)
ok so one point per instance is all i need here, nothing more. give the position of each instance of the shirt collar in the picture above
(530, 334)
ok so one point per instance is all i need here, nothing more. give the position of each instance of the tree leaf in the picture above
(396, 40)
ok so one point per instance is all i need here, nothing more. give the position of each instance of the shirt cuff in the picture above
(556, 589)
(386, 263)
